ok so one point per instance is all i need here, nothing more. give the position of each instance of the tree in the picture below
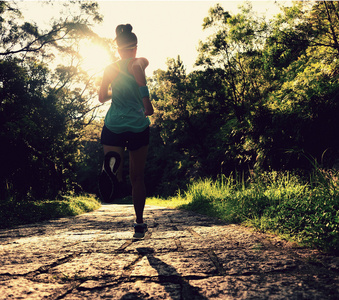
(44, 106)
(276, 89)
(20, 37)
(303, 103)
(264, 95)
(234, 53)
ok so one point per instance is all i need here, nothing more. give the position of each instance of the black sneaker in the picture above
(108, 182)
(139, 230)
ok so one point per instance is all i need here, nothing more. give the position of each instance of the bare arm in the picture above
(109, 75)
(137, 68)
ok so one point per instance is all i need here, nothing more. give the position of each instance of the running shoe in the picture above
(108, 182)
(139, 230)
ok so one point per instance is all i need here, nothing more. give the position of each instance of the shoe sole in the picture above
(141, 237)
(108, 182)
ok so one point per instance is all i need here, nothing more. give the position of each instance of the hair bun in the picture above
(123, 29)
(125, 38)
(128, 28)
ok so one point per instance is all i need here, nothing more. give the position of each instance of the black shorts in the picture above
(133, 141)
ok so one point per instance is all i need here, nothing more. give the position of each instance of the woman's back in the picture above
(127, 110)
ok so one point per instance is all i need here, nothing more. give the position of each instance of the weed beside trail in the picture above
(18, 213)
(271, 202)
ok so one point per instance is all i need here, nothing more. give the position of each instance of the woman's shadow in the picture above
(168, 276)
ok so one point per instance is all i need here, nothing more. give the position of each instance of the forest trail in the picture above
(184, 256)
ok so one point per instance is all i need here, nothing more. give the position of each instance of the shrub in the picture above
(307, 212)
(23, 212)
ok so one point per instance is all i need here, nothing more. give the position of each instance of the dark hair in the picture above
(125, 38)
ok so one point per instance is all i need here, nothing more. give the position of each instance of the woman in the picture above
(126, 122)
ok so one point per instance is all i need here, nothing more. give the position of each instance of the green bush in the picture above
(312, 220)
(275, 202)
(23, 212)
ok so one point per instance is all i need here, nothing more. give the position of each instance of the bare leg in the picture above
(137, 167)
(119, 150)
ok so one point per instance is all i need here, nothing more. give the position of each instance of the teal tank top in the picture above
(126, 112)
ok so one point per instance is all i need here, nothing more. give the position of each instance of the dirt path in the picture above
(185, 256)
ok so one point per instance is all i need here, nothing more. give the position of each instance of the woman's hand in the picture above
(148, 106)
(137, 68)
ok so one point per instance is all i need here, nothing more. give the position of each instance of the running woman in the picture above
(126, 122)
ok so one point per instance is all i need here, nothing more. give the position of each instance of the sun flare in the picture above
(95, 58)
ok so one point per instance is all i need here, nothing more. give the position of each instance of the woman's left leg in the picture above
(137, 168)
(119, 150)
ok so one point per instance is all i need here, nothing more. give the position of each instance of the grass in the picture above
(306, 212)
(14, 213)
(282, 203)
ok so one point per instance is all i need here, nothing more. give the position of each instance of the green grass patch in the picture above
(18, 213)
(307, 212)
(171, 202)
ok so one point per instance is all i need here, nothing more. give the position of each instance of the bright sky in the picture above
(165, 29)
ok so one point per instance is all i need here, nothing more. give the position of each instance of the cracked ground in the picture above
(184, 256)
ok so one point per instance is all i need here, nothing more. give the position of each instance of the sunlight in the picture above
(95, 57)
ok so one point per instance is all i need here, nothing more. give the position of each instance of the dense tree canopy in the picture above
(264, 96)
(45, 105)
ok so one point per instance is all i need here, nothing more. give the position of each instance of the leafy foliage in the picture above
(264, 95)
(278, 202)
(44, 106)
(264, 98)
(13, 213)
